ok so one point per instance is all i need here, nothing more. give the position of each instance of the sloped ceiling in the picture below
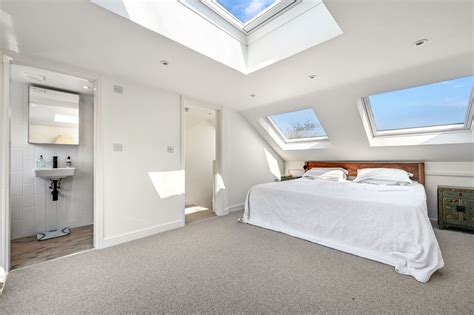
(338, 113)
(374, 54)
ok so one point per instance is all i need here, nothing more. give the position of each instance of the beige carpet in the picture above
(219, 265)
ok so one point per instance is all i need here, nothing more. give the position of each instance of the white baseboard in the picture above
(234, 208)
(115, 240)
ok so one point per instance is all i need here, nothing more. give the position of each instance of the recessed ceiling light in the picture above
(164, 62)
(312, 76)
(186, 109)
(85, 87)
(252, 95)
(420, 42)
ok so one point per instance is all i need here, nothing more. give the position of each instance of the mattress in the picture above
(388, 224)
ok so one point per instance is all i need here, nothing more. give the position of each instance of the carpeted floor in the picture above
(219, 265)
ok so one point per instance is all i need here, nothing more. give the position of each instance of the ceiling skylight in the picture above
(434, 107)
(245, 35)
(245, 10)
(248, 15)
(298, 125)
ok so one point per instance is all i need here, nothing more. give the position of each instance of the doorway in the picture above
(200, 162)
(51, 164)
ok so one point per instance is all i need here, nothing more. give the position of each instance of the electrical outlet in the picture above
(118, 147)
(170, 149)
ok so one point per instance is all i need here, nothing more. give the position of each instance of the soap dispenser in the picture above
(40, 163)
(68, 162)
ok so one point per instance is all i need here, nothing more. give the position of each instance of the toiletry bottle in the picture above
(68, 162)
(55, 161)
(40, 163)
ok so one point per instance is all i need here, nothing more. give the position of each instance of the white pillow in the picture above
(383, 182)
(327, 173)
(383, 176)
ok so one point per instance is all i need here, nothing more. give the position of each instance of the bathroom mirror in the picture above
(53, 117)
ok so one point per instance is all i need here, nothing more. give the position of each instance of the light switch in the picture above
(118, 147)
(170, 149)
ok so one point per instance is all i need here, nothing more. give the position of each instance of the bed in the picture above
(388, 224)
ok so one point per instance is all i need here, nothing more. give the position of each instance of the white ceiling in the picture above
(377, 40)
(19, 73)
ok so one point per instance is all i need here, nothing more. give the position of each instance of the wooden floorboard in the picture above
(28, 251)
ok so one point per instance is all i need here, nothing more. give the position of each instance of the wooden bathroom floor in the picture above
(197, 213)
(28, 251)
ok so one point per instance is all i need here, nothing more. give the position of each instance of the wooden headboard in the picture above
(416, 168)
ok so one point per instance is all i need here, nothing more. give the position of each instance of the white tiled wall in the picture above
(32, 209)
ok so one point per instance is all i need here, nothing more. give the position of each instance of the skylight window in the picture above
(248, 15)
(245, 10)
(439, 106)
(301, 125)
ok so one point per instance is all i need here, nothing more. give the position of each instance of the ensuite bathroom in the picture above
(51, 165)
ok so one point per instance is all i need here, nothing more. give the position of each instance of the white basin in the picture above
(54, 173)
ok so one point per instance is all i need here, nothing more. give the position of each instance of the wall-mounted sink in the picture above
(54, 173)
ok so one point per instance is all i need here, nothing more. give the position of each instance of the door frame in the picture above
(10, 58)
(218, 196)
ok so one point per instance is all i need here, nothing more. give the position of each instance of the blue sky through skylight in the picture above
(245, 10)
(437, 104)
(299, 124)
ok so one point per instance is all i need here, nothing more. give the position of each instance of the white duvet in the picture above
(388, 224)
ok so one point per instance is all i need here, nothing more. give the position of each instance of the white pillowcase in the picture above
(383, 176)
(327, 173)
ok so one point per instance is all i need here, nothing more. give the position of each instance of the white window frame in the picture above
(263, 17)
(286, 140)
(419, 130)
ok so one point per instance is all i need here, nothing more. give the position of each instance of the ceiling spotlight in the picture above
(85, 87)
(252, 95)
(186, 109)
(164, 62)
(312, 76)
(420, 42)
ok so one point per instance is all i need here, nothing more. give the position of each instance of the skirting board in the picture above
(115, 240)
(234, 208)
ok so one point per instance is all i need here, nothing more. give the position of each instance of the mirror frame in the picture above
(78, 115)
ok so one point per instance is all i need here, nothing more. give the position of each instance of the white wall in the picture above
(143, 184)
(436, 174)
(248, 159)
(447, 174)
(4, 157)
(200, 153)
(32, 209)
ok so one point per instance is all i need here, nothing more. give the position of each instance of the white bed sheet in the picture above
(388, 224)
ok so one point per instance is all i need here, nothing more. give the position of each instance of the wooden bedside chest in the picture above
(455, 207)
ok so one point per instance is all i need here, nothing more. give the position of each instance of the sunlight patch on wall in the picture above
(219, 183)
(272, 164)
(168, 184)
